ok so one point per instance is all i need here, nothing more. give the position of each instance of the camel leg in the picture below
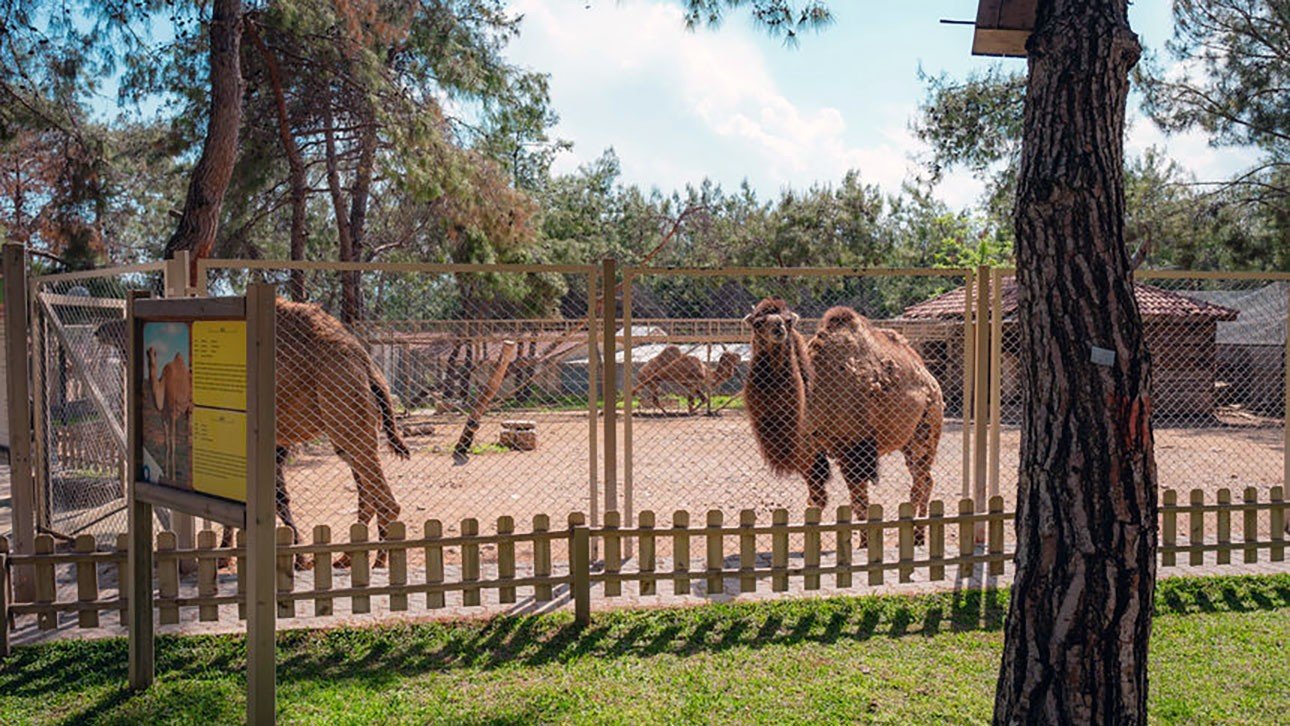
(282, 499)
(375, 498)
(920, 455)
(817, 479)
(859, 464)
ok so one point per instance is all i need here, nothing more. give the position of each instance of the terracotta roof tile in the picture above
(1153, 302)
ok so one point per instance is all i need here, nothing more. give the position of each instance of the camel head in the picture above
(152, 361)
(727, 364)
(771, 322)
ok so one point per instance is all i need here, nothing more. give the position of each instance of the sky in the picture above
(734, 104)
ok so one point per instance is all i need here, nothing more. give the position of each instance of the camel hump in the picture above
(842, 318)
(894, 336)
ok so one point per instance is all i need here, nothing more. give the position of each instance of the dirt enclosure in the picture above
(697, 463)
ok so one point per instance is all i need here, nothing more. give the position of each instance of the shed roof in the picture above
(1263, 314)
(1153, 302)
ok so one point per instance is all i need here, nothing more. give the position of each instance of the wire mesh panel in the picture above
(78, 370)
(420, 392)
(714, 423)
(1217, 343)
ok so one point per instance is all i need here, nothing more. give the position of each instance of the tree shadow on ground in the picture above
(381, 655)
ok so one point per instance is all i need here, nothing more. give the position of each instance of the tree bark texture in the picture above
(199, 221)
(1080, 616)
(295, 163)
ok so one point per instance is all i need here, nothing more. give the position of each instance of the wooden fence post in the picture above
(1196, 528)
(360, 572)
(649, 585)
(541, 557)
(716, 554)
(505, 563)
(936, 540)
(4, 602)
(434, 563)
(322, 571)
(470, 596)
(22, 482)
(609, 382)
(876, 545)
(967, 545)
(779, 552)
(811, 548)
(613, 553)
(46, 586)
(747, 551)
(167, 578)
(580, 568)
(207, 575)
(905, 533)
(1278, 524)
(843, 557)
(680, 552)
(994, 544)
(1250, 530)
(1224, 527)
(87, 581)
(1169, 529)
(286, 573)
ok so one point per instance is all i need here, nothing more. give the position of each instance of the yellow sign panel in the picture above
(219, 364)
(219, 452)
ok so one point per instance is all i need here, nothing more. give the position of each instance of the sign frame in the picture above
(256, 517)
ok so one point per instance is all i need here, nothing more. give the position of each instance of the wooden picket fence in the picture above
(84, 563)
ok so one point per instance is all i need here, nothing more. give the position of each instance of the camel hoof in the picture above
(222, 563)
(303, 563)
(342, 562)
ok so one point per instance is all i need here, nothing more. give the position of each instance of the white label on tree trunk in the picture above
(1102, 356)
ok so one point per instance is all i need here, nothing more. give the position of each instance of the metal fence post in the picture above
(22, 483)
(609, 387)
(996, 375)
(969, 378)
(593, 392)
(981, 397)
(175, 282)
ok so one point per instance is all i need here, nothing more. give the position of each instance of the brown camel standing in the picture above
(327, 385)
(692, 375)
(172, 394)
(855, 393)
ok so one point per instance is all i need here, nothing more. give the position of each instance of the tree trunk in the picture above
(348, 297)
(359, 195)
(1080, 615)
(295, 164)
(199, 220)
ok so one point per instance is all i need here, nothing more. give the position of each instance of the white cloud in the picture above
(715, 89)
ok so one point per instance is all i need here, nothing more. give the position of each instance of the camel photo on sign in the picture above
(166, 406)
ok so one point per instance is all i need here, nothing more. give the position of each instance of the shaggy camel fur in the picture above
(871, 395)
(327, 385)
(688, 372)
(855, 392)
(172, 394)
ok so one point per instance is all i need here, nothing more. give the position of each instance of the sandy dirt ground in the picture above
(700, 463)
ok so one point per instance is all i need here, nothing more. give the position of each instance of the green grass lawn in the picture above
(1218, 656)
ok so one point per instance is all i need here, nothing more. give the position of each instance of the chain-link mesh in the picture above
(1217, 348)
(448, 395)
(78, 367)
(712, 423)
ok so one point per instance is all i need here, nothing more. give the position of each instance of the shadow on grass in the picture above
(382, 655)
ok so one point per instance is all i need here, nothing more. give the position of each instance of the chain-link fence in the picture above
(78, 367)
(722, 413)
(449, 392)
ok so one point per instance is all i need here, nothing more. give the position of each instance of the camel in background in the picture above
(172, 394)
(855, 392)
(689, 373)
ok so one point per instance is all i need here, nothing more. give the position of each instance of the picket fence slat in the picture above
(360, 572)
(207, 575)
(87, 581)
(80, 563)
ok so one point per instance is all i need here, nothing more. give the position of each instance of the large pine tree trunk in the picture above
(199, 220)
(1080, 615)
